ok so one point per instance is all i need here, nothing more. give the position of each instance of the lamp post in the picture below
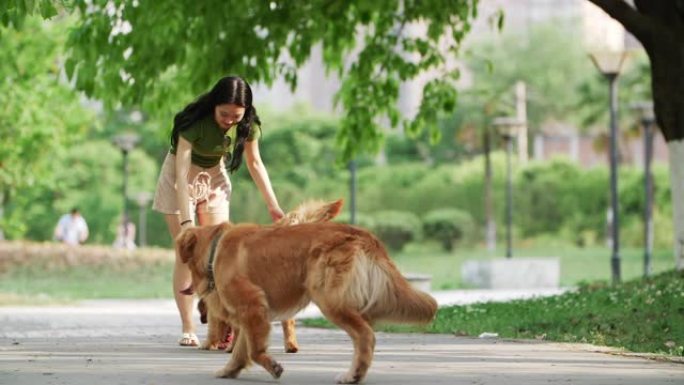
(508, 129)
(647, 117)
(142, 198)
(609, 63)
(125, 142)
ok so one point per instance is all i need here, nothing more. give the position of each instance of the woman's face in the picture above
(227, 115)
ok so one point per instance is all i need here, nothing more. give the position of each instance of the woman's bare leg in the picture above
(223, 329)
(181, 280)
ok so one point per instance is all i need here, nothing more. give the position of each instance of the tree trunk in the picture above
(676, 148)
(666, 53)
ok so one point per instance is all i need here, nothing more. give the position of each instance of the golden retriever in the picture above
(263, 273)
(308, 212)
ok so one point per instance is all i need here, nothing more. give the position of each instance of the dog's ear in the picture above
(202, 307)
(333, 209)
(323, 212)
(185, 244)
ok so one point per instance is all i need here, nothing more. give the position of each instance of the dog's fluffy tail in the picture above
(383, 294)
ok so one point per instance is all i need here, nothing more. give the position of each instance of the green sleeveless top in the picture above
(210, 143)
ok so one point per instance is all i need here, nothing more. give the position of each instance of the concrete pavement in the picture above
(133, 342)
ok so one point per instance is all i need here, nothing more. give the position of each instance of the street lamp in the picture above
(609, 63)
(508, 129)
(125, 142)
(142, 198)
(647, 117)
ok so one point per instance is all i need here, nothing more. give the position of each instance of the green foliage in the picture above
(374, 185)
(556, 199)
(301, 150)
(14, 12)
(297, 149)
(546, 58)
(597, 314)
(448, 226)
(549, 199)
(396, 228)
(559, 197)
(419, 188)
(40, 117)
(39, 114)
(361, 220)
(147, 53)
(553, 201)
(87, 176)
(399, 148)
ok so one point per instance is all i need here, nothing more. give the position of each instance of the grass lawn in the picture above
(642, 315)
(577, 264)
(153, 280)
(85, 282)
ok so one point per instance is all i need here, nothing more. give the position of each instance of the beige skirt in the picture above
(209, 189)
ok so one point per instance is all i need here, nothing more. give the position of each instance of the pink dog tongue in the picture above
(187, 291)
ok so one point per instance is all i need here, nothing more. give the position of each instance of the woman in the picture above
(219, 125)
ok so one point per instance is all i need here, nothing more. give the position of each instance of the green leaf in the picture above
(47, 9)
(69, 66)
(500, 20)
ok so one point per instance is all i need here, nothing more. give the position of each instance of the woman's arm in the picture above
(183, 159)
(260, 177)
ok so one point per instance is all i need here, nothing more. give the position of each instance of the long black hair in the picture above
(228, 90)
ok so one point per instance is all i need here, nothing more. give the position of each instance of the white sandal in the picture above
(188, 339)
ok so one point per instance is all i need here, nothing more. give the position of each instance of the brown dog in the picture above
(218, 329)
(264, 273)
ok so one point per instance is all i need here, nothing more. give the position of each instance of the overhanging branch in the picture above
(633, 21)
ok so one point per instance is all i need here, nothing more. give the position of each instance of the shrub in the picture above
(396, 228)
(362, 220)
(447, 226)
(389, 187)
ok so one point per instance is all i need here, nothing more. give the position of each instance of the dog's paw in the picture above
(291, 347)
(207, 345)
(276, 370)
(346, 378)
(227, 373)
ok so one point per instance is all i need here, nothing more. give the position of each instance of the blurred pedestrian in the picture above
(125, 235)
(71, 228)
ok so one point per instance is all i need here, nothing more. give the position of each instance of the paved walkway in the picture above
(133, 342)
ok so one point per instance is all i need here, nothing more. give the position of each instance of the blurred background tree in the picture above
(40, 115)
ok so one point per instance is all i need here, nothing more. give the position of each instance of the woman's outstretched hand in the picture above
(276, 213)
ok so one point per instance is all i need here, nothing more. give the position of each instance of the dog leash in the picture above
(210, 267)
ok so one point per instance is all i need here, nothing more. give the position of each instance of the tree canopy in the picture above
(159, 55)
